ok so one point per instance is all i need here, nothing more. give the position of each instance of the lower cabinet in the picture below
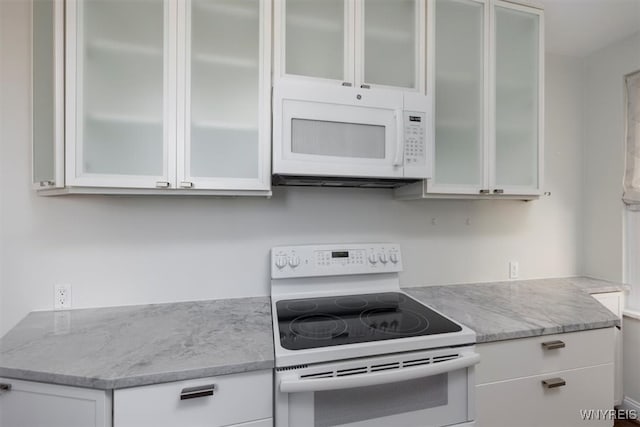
(235, 400)
(32, 404)
(547, 381)
(229, 400)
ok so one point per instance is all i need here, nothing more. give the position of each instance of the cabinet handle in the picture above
(46, 183)
(162, 184)
(4, 388)
(185, 184)
(347, 84)
(365, 86)
(498, 191)
(195, 392)
(553, 383)
(485, 191)
(552, 345)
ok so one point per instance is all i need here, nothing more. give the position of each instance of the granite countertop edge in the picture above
(135, 380)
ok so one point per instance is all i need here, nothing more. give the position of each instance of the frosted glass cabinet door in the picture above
(47, 95)
(315, 38)
(459, 96)
(118, 83)
(391, 41)
(518, 60)
(228, 84)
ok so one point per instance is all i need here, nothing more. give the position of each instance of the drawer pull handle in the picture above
(195, 392)
(554, 382)
(4, 388)
(552, 345)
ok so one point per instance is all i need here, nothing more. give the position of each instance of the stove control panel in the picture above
(335, 260)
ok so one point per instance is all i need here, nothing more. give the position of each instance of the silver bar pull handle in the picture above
(162, 184)
(195, 392)
(185, 184)
(46, 183)
(484, 191)
(4, 388)
(347, 84)
(498, 191)
(553, 383)
(552, 345)
(365, 86)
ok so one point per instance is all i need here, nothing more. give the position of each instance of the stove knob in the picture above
(373, 259)
(383, 257)
(393, 257)
(281, 262)
(294, 261)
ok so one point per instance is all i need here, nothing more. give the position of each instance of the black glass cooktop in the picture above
(329, 321)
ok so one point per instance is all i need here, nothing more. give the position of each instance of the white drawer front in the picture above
(511, 359)
(525, 402)
(237, 399)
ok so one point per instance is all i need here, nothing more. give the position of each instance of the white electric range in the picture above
(353, 350)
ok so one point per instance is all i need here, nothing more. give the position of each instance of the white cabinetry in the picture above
(546, 380)
(160, 96)
(239, 399)
(614, 301)
(31, 404)
(486, 71)
(361, 43)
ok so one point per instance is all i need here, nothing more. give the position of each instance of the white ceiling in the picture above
(580, 27)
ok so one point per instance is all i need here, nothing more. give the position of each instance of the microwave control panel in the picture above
(415, 142)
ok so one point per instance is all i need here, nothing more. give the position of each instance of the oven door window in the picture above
(426, 402)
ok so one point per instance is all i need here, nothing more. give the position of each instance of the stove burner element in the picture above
(351, 302)
(302, 306)
(318, 326)
(390, 322)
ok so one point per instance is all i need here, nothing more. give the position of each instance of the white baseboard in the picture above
(630, 404)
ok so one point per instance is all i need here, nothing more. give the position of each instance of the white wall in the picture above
(604, 156)
(130, 250)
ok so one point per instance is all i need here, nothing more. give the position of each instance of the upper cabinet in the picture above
(486, 62)
(361, 43)
(161, 95)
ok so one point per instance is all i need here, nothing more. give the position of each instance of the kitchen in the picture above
(127, 251)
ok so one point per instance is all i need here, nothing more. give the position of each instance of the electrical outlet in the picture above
(514, 269)
(62, 297)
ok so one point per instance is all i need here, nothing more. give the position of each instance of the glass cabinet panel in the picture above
(225, 69)
(390, 39)
(459, 94)
(44, 126)
(121, 87)
(516, 91)
(315, 38)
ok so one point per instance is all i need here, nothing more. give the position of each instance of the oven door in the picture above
(321, 130)
(416, 391)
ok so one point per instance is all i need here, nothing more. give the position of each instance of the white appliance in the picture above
(353, 350)
(332, 135)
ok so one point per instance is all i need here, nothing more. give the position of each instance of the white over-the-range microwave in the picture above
(344, 136)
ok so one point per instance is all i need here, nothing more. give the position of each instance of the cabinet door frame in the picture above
(535, 190)
(420, 50)
(280, 44)
(430, 187)
(74, 110)
(183, 146)
(58, 99)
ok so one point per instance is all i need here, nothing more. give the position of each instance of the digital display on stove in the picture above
(341, 254)
(350, 319)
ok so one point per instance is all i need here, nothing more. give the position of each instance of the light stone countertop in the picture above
(111, 348)
(519, 309)
(119, 347)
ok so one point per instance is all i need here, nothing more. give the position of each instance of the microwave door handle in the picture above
(399, 158)
(296, 385)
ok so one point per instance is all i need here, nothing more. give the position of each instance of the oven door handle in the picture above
(377, 378)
